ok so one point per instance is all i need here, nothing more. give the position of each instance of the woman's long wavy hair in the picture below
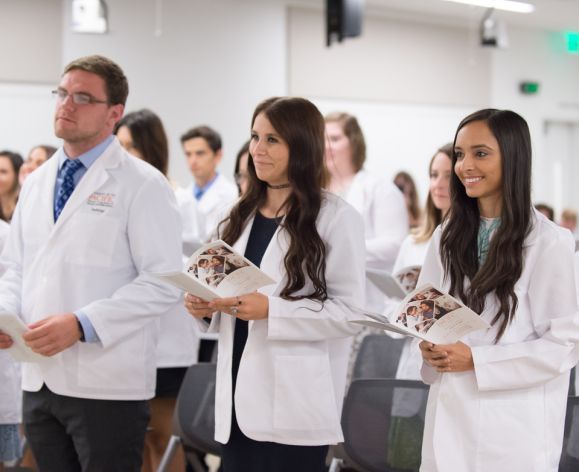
(504, 263)
(432, 215)
(302, 127)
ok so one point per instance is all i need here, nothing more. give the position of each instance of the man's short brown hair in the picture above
(116, 84)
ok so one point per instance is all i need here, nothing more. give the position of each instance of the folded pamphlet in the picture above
(15, 328)
(216, 271)
(396, 285)
(429, 314)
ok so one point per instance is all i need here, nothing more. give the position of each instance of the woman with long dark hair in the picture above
(142, 134)
(497, 398)
(283, 351)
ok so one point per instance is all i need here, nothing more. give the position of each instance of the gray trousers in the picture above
(68, 434)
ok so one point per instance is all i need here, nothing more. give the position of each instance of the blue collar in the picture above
(89, 157)
(198, 192)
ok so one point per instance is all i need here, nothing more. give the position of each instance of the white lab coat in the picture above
(411, 254)
(10, 390)
(385, 218)
(178, 344)
(120, 223)
(292, 374)
(508, 414)
(214, 203)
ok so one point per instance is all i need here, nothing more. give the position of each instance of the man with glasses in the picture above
(90, 226)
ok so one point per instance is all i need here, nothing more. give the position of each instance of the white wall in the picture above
(212, 63)
(30, 45)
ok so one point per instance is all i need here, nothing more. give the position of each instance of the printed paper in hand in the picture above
(428, 313)
(216, 271)
(15, 328)
(396, 285)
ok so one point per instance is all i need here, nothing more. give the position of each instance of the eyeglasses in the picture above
(78, 98)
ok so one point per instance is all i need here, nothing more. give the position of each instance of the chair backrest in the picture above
(378, 357)
(194, 418)
(383, 422)
(570, 455)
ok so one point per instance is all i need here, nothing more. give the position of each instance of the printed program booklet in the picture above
(396, 285)
(215, 270)
(15, 328)
(429, 314)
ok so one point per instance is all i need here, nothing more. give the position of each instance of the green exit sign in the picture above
(572, 42)
(529, 88)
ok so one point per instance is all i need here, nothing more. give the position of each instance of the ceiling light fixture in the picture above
(507, 5)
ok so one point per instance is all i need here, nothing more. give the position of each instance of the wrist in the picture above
(81, 337)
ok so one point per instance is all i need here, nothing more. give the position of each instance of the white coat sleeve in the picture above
(154, 233)
(431, 273)
(553, 309)
(390, 222)
(11, 261)
(310, 320)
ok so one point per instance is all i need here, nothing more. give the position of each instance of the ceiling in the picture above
(549, 14)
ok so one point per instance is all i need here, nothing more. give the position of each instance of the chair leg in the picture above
(174, 443)
(336, 465)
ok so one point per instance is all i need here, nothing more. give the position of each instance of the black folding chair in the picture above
(383, 422)
(194, 417)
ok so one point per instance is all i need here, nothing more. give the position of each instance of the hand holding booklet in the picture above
(13, 326)
(215, 270)
(429, 314)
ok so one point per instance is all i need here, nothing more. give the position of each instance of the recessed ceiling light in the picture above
(508, 5)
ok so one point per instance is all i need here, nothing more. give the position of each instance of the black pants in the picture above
(68, 434)
(242, 454)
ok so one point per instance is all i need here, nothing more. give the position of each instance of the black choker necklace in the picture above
(278, 187)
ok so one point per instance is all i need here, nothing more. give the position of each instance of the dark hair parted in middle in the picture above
(149, 137)
(301, 126)
(504, 263)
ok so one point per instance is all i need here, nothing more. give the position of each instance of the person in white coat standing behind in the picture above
(142, 134)
(89, 227)
(283, 351)
(10, 392)
(414, 247)
(498, 397)
(214, 194)
(376, 198)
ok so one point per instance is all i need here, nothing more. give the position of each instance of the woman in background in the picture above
(405, 183)
(240, 171)
(283, 351)
(377, 199)
(38, 155)
(142, 134)
(10, 163)
(498, 397)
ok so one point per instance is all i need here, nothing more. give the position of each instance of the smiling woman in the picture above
(513, 266)
(283, 352)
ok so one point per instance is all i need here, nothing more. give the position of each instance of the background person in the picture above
(142, 134)
(405, 183)
(283, 351)
(38, 155)
(10, 163)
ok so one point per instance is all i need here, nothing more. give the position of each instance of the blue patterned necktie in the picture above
(70, 167)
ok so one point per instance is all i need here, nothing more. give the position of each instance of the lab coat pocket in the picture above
(304, 394)
(100, 368)
(512, 419)
(97, 236)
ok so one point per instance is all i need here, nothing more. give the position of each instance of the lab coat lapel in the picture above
(94, 178)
